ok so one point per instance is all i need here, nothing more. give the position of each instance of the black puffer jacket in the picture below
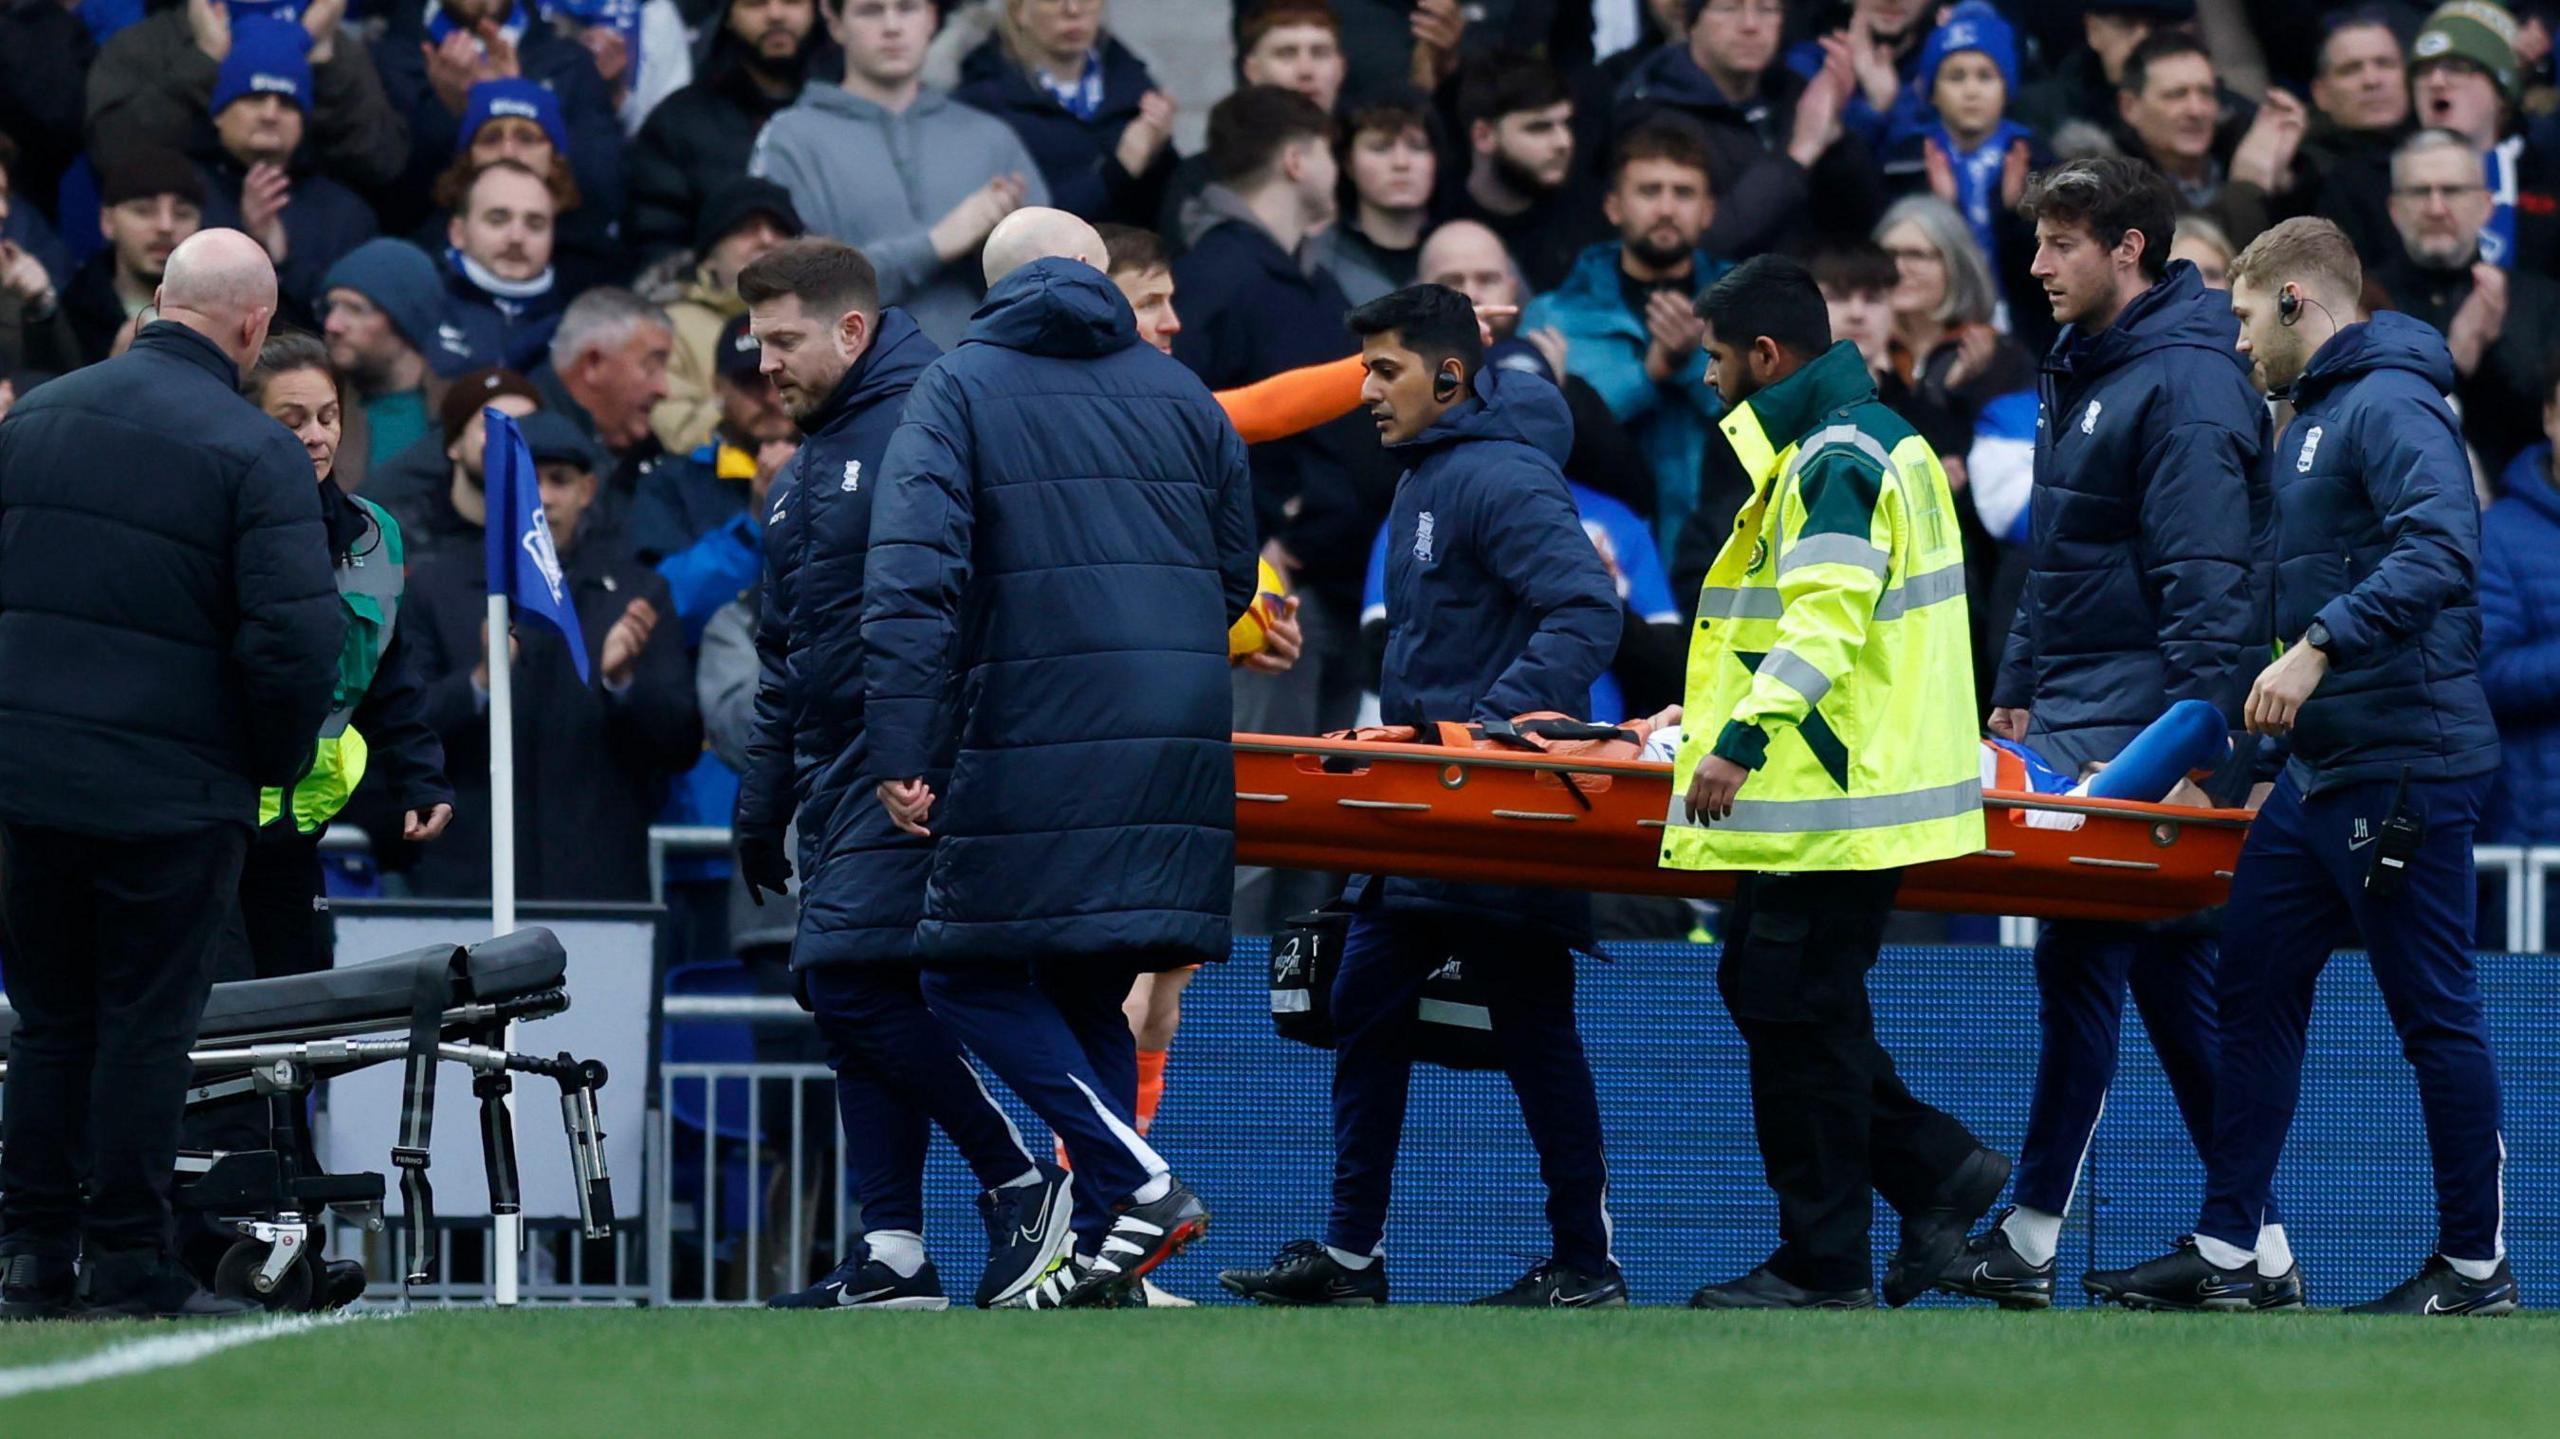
(169, 629)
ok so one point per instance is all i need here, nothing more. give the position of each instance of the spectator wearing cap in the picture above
(2360, 113)
(1785, 168)
(147, 204)
(35, 328)
(434, 488)
(502, 294)
(706, 519)
(381, 311)
(513, 119)
(430, 78)
(1961, 145)
(700, 137)
(698, 288)
(886, 162)
(606, 371)
(1885, 40)
(257, 179)
(2464, 77)
(2079, 89)
(153, 85)
(601, 751)
(1083, 104)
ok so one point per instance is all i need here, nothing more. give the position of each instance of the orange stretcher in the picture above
(1500, 816)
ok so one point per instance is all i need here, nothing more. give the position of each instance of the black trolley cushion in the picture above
(358, 998)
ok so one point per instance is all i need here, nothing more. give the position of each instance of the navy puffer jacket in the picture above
(1066, 524)
(2378, 538)
(2520, 650)
(2147, 527)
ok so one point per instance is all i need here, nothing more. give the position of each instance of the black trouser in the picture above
(111, 945)
(1833, 1118)
(281, 926)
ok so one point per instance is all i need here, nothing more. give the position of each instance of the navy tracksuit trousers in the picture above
(2299, 894)
(1385, 959)
(897, 1070)
(1055, 1033)
(2082, 971)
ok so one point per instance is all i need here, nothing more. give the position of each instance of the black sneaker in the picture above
(1026, 1233)
(37, 1285)
(1141, 1237)
(1305, 1273)
(2439, 1288)
(1990, 1267)
(1549, 1285)
(1761, 1289)
(1934, 1235)
(147, 1285)
(2180, 1279)
(2285, 1291)
(862, 1282)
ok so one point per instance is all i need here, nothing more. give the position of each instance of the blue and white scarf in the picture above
(1978, 177)
(1081, 96)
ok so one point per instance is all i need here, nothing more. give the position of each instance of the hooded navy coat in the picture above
(2147, 527)
(1497, 604)
(862, 879)
(2378, 538)
(2520, 650)
(1067, 527)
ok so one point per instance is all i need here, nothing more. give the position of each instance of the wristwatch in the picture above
(2317, 636)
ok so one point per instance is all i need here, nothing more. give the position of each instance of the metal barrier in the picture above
(745, 1221)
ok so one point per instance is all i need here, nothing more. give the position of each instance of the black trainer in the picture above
(2285, 1291)
(2179, 1279)
(1306, 1273)
(1762, 1289)
(2439, 1288)
(1141, 1237)
(146, 1285)
(862, 1282)
(1990, 1267)
(1549, 1285)
(35, 1285)
(1934, 1235)
(1027, 1229)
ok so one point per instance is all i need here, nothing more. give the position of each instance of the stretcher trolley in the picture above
(427, 1008)
(1569, 806)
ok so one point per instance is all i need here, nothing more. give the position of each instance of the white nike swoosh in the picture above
(1983, 1277)
(846, 1298)
(2359, 843)
(2436, 1305)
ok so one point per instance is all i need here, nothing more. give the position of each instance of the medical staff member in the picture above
(2367, 836)
(1830, 745)
(1497, 605)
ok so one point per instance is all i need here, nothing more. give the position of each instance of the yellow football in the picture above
(1250, 635)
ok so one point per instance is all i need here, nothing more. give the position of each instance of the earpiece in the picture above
(2288, 307)
(1445, 387)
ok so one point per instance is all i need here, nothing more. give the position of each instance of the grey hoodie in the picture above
(882, 181)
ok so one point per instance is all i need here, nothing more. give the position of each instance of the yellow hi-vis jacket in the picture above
(1832, 656)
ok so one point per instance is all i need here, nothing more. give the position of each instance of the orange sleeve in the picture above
(1294, 401)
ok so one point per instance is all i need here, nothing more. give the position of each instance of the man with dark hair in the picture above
(2147, 533)
(1497, 605)
(843, 366)
(2378, 697)
(2360, 113)
(1625, 311)
(1829, 745)
(148, 204)
(2175, 116)
(1252, 308)
(699, 138)
(1517, 121)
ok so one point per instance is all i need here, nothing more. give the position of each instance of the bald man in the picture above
(1062, 536)
(169, 636)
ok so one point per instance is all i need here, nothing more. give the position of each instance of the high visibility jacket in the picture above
(369, 590)
(1832, 656)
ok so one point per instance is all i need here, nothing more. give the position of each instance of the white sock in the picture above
(2475, 1270)
(901, 1249)
(1349, 1260)
(1154, 1189)
(2033, 1233)
(1026, 1177)
(2275, 1253)
(2224, 1256)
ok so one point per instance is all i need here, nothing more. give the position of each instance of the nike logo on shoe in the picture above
(1983, 1278)
(847, 1299)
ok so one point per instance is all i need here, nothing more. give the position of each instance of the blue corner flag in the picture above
(523, 565)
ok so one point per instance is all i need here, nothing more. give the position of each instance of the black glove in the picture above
(764, 863)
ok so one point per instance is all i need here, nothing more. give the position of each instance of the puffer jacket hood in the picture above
(2388, 341)
(898, 354)
(1524, 409)
(2177, 313)
(1061, 309)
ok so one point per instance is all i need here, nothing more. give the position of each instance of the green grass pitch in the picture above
(1404, 1371)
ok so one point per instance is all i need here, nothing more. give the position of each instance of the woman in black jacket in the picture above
(1084, 106)
(375, 719)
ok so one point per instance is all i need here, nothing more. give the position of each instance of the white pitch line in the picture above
(160, 1351)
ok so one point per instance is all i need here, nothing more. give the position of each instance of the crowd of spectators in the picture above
(544, 205)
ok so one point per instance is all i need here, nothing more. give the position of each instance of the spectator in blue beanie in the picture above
(1975, 157)
(381, 312)
(258, 179)
(516, 119)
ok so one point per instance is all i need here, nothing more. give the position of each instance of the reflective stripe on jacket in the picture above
(1832, 655)
(369, 589)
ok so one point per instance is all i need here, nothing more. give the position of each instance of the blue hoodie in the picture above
(2520, 650)
(2378, 538)
(2146, 529)
(1064, 531)
(1497, 603)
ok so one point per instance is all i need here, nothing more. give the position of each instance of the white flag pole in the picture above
(509, 1236)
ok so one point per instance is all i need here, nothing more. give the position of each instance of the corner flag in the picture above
(523, 564)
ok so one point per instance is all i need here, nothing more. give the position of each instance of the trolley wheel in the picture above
(236, 1278)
